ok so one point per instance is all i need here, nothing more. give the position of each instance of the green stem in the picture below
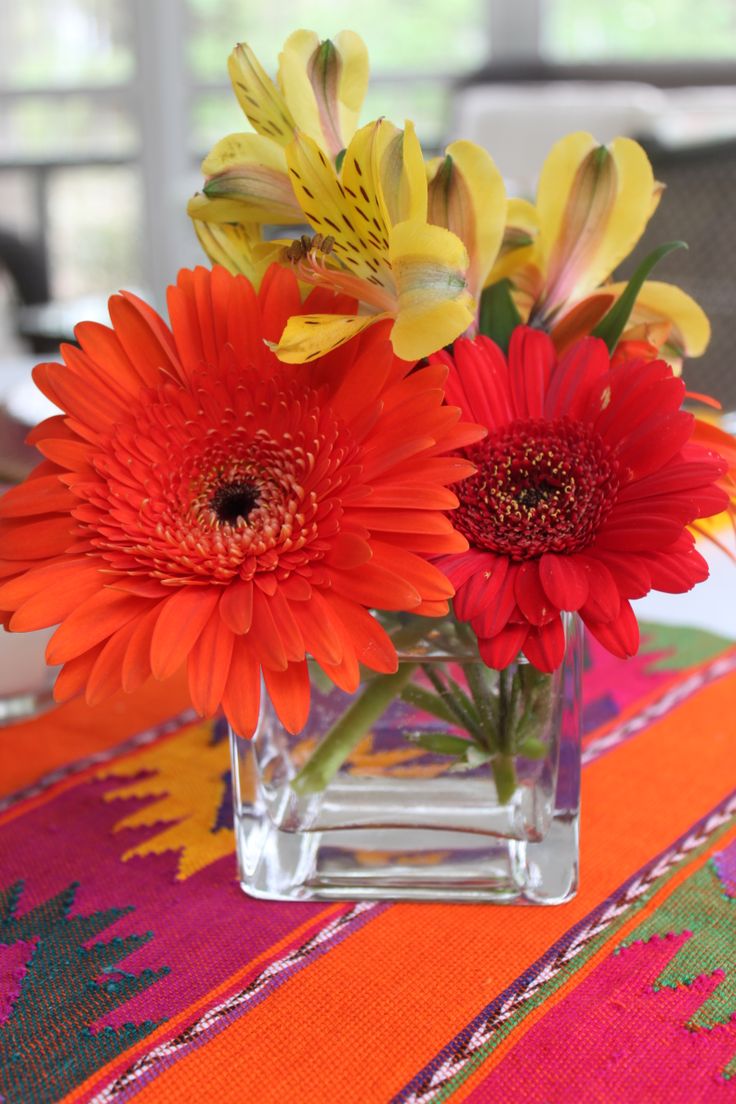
(349, 730)
(504, 775)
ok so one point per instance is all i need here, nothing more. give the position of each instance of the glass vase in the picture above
(447, 781)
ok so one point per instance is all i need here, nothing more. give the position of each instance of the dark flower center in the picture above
(541, 486)
(232, 501)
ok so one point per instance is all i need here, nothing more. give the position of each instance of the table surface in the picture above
(132, 965)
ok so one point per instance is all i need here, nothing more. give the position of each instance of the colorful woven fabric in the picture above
(132, 967)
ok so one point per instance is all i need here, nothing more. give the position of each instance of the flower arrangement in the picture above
(423, 394)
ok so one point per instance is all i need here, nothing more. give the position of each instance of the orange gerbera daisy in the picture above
(201, 502)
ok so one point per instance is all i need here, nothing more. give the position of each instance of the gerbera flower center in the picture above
(232, 501)
(541, 486)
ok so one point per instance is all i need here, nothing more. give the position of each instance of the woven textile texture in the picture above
(132, 967)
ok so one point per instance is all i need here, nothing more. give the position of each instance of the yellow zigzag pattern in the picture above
(187, 779)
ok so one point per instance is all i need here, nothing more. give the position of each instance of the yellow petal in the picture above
(518, 247)
(434, 306)
(593, 204)
(325, 84)
(308, 336)
(399, 169)
(468, 197)
(333, 211)
(239, 249)
(690, 329)
(252, 170)
(259, 97)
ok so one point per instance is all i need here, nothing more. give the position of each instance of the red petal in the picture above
(545, 646)
(531, 597)
(603, 601)
(481, 588)
(497, 614)
(531, 360)
(564, 579)
(503, 648)
(619, 636)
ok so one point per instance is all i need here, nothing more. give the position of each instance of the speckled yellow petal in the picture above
(325, 84)
(434, 306)
(593, 204)
(690, 329)
(518, 247)
(252, 170)
(331, 210)
(308, 336)
(259, 97)
(468, 197)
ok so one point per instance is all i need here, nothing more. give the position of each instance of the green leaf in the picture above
(498, 314)
(441, 743)
(611, 326)
(339, 160)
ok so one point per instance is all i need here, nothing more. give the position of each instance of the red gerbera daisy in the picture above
(203, 503)
(583, 491)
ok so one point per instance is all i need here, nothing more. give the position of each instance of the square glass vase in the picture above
(448, 781)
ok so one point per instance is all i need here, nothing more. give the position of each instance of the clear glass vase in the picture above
(447, 781)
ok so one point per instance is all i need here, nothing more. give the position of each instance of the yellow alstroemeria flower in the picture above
(237, 247)
(467, 196)
(319, 92)
(593, 205)
(320, 89)
(374, 243)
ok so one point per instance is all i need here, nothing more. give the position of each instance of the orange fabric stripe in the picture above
(73, 730)
(442, 963)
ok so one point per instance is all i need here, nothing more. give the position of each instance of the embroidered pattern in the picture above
(48, 1041)
(185, 777)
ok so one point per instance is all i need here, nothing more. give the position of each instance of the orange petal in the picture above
(97, 618)
(47, 537)
(57, 599)
(209, 665)
(37, 496)
(289, 693)
(241, 698)
(72, 678)
(105, 678)
(368, 638)
(136, 663)
(182, 619)
(236, 606)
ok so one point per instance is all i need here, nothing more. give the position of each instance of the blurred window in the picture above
(576, 30)
(69, 139)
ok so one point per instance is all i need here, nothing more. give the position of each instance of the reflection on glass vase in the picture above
(446, 781)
